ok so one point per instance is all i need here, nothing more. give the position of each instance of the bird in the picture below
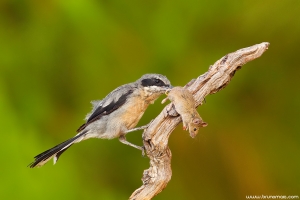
(114, 116)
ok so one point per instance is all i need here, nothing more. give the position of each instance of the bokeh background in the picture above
(58, 55)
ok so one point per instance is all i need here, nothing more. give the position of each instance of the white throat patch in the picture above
(153, 89)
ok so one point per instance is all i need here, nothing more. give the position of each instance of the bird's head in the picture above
(154, 83)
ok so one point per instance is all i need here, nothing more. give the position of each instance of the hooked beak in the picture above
(168, 89)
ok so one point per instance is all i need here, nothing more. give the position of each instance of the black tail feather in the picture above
(58, 150)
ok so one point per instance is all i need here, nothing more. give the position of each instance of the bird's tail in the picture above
(56, 151)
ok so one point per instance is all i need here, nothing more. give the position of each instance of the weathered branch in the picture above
(155, 137)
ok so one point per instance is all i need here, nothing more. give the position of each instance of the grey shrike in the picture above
(115, 115)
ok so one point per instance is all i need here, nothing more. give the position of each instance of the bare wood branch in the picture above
(155, 137)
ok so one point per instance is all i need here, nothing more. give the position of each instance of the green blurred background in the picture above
(56, 56)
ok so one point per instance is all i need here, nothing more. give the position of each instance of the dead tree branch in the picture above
(155, 137)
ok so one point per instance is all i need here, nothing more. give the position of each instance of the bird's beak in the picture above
(168, 89)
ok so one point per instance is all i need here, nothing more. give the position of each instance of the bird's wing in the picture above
(109, 104)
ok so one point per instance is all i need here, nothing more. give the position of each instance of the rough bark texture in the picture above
(155, 137)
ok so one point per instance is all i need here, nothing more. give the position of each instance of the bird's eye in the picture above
(157, 80)
(195, 129)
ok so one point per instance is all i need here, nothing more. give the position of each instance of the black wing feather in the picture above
(101, 111)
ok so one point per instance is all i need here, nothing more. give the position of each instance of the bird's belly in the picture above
(133, 114)
(121, 121)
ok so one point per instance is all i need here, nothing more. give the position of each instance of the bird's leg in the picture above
(138, 128)
(122, 139)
